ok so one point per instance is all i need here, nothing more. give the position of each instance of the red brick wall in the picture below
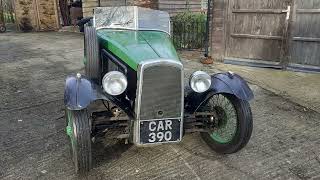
(147, 3)
(218, 29)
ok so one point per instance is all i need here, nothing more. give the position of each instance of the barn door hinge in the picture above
(288, 11)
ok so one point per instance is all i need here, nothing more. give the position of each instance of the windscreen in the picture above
(131, 17)
(149, 19)
(115, 17)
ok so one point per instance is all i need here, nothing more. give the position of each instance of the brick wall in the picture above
(153, 4)
(217, 30)
(89, 5)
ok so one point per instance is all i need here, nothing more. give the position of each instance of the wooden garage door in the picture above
(255, 29)
(305, 44)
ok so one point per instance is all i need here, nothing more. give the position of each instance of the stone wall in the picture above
(48, 18)
(36, 15)
(25, 11)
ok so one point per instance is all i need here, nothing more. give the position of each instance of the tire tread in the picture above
(244, 114)
(83, 163)
(92, 66)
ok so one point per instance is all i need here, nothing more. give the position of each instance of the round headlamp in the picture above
(200, 81)
(114, 83)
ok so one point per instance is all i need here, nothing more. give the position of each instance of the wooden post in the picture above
(15, 15)
(37, 15)
(55, 4)
(286, 41)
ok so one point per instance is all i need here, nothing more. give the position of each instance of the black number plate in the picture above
(160, 131)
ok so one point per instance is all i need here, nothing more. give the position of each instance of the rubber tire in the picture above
(81, 152)
(91, 53)
(244, 128)
(2, 29)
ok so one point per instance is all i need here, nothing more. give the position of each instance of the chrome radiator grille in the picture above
(161, 91)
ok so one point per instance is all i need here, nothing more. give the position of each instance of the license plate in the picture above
(160, 131)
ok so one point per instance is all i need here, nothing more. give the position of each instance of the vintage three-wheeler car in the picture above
(134, 89)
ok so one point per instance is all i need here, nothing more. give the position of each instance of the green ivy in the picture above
(189, 16)
(8, 17)
(188, 30)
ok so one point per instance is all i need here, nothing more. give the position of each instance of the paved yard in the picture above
(285, 143)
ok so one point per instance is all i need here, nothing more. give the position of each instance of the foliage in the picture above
(188, 30)
(189, 16)
(9, 18)
(6, 11)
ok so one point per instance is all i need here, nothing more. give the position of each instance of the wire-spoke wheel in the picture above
(230, 126)
(78, 131)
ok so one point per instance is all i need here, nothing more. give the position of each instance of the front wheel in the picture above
(229, 126)
(78, 130)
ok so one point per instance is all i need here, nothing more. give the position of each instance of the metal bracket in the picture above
(288, 11)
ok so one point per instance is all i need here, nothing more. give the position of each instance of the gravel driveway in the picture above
(285, 143)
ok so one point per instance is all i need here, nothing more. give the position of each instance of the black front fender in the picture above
(80, 92)
(232, 84)
(228, 83)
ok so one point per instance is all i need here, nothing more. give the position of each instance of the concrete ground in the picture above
(301, 88)
(285, 143)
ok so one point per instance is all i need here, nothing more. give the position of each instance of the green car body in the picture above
(134, 47)
(135, 82)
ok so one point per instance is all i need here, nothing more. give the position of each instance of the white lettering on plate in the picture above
(160, 136)
(154, 124)
(168, 135)
(152, 137)
(168, 124)
(160, 126)
(164, 127)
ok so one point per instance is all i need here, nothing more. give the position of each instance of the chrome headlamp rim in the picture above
(114, 77)
(202, 77)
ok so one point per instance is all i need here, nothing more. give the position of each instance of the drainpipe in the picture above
(206, 54)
